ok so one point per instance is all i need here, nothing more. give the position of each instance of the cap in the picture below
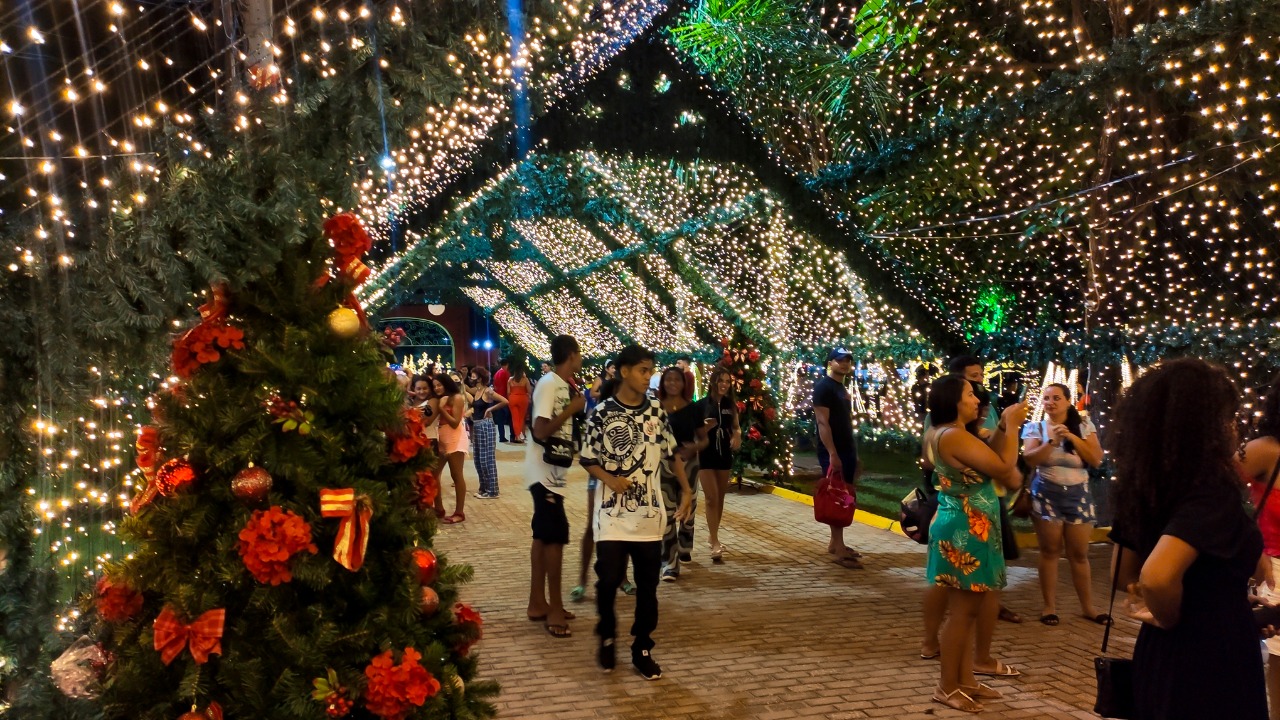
(838, 353)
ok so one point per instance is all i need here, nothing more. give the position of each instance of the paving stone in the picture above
(777, 631)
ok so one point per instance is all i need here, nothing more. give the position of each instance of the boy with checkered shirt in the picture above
(628, 439)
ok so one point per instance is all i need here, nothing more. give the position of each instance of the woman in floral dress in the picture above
(965, 553)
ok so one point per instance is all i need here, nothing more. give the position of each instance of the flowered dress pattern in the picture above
(965, 551)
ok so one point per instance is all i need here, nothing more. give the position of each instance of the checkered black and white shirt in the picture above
(629, 442)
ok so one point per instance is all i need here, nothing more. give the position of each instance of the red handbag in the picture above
(833, 504)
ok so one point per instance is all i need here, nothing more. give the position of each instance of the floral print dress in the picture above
(965, 551)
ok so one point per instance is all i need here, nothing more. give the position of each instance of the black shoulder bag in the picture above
(1115, 675)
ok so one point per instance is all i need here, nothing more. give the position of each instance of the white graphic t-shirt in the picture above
(629, 442)
(550, 398)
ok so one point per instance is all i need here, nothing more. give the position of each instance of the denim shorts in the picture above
(1070, 504)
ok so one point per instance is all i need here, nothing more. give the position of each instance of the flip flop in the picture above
(628, 588)
(542, 618)
(934, 656)
(1050, 619)
(849, 563)
(1008, 615)
(578, 593)
(1100, 618)
(1001, 670)
(559, 631)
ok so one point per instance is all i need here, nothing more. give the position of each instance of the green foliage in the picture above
(812, 100)
(279, 638)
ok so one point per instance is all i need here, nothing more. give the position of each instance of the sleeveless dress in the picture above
(452, 439)
(965, 550)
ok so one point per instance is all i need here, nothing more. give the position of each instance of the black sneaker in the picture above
(686, 557)
(645, 665)
(606, 656)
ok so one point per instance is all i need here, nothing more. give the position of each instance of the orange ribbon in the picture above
(353, 533)
(204, 636)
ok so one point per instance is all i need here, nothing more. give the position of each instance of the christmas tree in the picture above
(282, 563)
(764, 443)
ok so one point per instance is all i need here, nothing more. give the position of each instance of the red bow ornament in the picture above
(353, 532)
(204, 636)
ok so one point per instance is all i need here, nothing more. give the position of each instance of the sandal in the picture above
(541, 618)
(559, 631)
(850, 563)
(957, 700)
(1100, 618)
(454, 519)
(982, 691)
(1050, 619)
(628, 588)
(932, 656)
(1010, 616)
(578, 593)
(1000, 670)
(717, 554)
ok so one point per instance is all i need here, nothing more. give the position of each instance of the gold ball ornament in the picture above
(344, 322)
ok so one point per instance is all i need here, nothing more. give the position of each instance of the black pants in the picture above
(611, 568)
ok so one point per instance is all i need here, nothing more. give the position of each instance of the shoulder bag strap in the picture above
(1111, 606)
(1271, 484)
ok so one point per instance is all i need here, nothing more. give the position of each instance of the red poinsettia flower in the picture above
(470, 622)
(116, 602)
(754, 434)
(408, 441)
(348, 237)
(754, 355)
(770, 414)
(394, 690)
(270, 539)
(428, 487)
(742, 406)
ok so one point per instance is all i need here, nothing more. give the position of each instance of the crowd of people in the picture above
(1194, 564)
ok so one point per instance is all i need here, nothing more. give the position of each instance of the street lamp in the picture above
(475, 355)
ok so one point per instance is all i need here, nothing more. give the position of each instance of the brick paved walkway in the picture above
(777, 631)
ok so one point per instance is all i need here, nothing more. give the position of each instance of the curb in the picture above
(1026, 541)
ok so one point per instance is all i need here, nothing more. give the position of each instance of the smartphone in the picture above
(1024, 392)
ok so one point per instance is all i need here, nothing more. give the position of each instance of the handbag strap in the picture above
(1271, 484)
(1111, 606)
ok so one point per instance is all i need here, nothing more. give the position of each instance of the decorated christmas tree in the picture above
(282, 563)
(764, 444)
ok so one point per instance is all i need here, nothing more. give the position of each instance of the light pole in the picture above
(488, 351)
(475, 355)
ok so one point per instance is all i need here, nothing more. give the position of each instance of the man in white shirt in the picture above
(557, 402)
(628, 438)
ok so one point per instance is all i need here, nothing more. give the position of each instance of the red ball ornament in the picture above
(428, 569)
(213, 712)
(251, 484)
(429, 602)
(174, 476)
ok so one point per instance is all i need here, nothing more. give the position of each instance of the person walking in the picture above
(484, 435)
(1061, 448)
(518, 397)
(628, 438)
(557, 407)
(837, 449)
(453, 441)
(716, 459)
(690, 428)
(1185, 546)
(966, 555)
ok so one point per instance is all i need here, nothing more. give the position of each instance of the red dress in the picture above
(519, 401)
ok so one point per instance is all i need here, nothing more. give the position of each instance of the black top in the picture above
(832, 395)
(685, 422)
(479, 406)
(1209, 664)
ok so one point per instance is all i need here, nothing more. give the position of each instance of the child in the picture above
(628, 438)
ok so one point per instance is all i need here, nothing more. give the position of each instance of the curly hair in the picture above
(1173, 431)
(1268, 424)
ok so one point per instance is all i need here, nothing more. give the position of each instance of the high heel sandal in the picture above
(957, 700)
